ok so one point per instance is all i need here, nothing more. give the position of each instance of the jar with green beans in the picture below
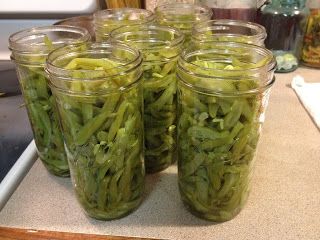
(182, 16)
(98, 91)
(160, 47)
(229, 31)
(29, 51)
(107, 20)
(223, 90)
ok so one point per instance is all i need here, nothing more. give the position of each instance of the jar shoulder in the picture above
(273, 10)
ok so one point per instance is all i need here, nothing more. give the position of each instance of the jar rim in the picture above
(268, 67)
(201, 27)
(87, 17)
(201, 10)
(63, 74)
(107, 13)
(16, 45)
(121, 32)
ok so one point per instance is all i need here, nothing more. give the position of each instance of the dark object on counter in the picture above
(245, 10)
(84, 21)
(311, 45)
(285, 22)
(246, 14)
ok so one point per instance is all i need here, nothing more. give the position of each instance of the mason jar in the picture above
(182, 16)
(223, 91)
(98, 92)
(245, 10)
(107, 20)
(160, 47)
(229, 30)
(30, 48)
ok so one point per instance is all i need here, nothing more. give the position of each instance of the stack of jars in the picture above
(153, 89)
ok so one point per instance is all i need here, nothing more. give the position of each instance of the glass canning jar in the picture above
(223, 91)
(310, 55)
(30, 48)
(98, 92)
(245, 10)
(160, 47)
(107, 20)
(285, 22)
(182, 16)
(229, 30)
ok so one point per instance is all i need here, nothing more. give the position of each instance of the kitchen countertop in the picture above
(284, 202)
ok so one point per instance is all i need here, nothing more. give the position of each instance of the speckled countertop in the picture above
(284, 201)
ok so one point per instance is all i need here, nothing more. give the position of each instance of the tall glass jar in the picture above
(245, 10)
(311, 45)
(229, 30)
(29, 51)
(285, 23)
(98, 91)
(107, 20)
(182, 16)
(160, 47)
(223, 90)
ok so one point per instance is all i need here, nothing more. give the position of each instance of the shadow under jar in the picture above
(223, 90)
(29, 51)
(107, 20)
(182, 16)
(160, 47)
(98, 91)
(229, 31)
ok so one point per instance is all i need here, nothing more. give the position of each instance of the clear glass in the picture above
(310, 55)
(98, 90)
(223, 90)
(245, 10)
(84, 21)
(229, 30)
(160, 47)
(29, 51)
(182, 16)
(285, 23)
(107, 20)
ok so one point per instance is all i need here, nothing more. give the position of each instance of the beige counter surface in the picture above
(284, 201)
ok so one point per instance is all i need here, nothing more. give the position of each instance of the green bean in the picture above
(104, 140)
(217, 138)
(159, 114)
(43, 118)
